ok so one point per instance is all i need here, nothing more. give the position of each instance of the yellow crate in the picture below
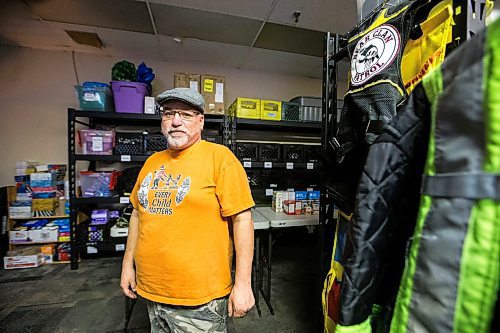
(270, 110)
(245, 108)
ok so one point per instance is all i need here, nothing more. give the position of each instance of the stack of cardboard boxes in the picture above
(38, 188)
(212, 88)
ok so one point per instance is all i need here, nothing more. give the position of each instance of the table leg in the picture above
(255, 273)
(267, 292)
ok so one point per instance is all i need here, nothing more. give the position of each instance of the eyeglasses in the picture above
(185, 115)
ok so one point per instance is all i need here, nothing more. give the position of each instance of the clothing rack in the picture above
(469, 17)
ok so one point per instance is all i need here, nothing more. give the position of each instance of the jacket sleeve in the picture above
(385, 212)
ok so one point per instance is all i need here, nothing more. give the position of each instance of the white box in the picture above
(44, 234)
(19, 212)
(149, 105)
(289, 207)
(277, 203)
(15, 262)
(298, 207)
(18, 236)
(118, 232)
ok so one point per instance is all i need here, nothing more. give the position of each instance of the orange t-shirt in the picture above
(183, 252)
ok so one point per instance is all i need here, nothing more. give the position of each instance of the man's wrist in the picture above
(128, 261)
(242, 284)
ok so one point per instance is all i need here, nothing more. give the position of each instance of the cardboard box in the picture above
(44, 235)
(47, 258)
(15, 262)
(313, 195)
(16, 212)
(48, 249)
(213, 89)
(300, 195)
(18, 236)
(298, 207)
(277, 203)
(289, 207)
(186, 80)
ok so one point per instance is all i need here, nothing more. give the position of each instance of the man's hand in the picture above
(127, 282)
(240, 301)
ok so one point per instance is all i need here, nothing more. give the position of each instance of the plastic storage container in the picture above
(293, 153)
(129, 96)
(247, 151)
(310, 108)
(94, 98)
(290, 111)
(96, 142)
(245, 108)
(270, 110)
(269, 152)
(97, 184)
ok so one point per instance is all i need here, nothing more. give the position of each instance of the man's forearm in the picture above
(243, 243)
(133, 232)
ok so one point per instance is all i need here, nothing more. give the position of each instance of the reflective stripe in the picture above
(466, 185)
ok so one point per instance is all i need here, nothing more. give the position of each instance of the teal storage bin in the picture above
(95, 98)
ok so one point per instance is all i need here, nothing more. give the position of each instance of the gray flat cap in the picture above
(187, 95)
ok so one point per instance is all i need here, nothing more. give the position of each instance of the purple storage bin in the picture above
(97, 142)
(129, 96)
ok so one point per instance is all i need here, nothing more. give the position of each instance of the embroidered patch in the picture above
(373, 53)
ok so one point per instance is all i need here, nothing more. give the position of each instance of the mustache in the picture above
(171, 130)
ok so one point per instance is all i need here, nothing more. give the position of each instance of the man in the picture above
(190, 202)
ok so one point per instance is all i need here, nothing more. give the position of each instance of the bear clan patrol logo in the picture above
(373, 53)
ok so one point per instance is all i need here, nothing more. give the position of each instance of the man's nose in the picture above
(176, 120)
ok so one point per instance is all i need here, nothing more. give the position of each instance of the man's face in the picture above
(181, 124)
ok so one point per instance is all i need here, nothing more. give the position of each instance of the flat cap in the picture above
(186, 95)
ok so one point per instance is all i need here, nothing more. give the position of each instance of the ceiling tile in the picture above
(291, 39)
(203, 51)
(126, 15)
(191, 23)
(116, 42)
(33, 33)
(336, 16)
(283, 62)
(17, 9)
(255, 9)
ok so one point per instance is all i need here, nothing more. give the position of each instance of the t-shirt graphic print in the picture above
(163, 185)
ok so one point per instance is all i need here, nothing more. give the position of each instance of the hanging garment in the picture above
(426, 48)
(449, 130)
(333, 280)
(452, 277)
(378, 85)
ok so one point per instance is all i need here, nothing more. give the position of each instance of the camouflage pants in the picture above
(210, 317)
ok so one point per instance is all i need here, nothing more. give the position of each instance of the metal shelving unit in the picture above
(274, 132)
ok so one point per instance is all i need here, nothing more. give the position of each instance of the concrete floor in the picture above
(53, 298)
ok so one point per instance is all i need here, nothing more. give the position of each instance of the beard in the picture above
(176, 140)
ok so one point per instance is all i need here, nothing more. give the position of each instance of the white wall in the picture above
(36, 88)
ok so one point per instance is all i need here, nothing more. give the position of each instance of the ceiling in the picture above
(259, 35)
